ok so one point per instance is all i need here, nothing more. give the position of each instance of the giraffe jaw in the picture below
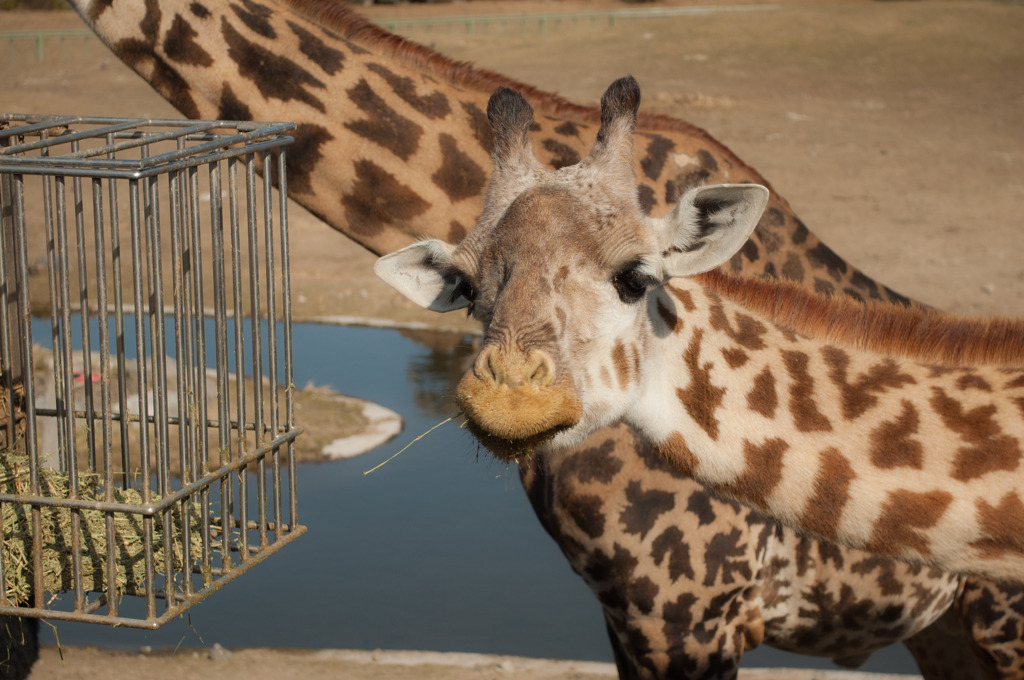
(511, 450)
(511, 422)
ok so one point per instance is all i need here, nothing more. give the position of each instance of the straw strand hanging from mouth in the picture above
(395, 455)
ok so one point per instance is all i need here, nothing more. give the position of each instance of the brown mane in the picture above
(335, 16)
(926, 336)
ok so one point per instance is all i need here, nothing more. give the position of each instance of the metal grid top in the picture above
(125, 147)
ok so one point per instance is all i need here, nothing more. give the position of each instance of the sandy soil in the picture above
(892, 127)
(82, 664)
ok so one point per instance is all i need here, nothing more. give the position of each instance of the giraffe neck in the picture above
(902, 453)
(392, 143)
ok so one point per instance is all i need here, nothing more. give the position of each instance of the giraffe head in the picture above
(558, 269)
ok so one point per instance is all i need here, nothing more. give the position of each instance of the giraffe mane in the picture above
(921, 335)
(334, 15)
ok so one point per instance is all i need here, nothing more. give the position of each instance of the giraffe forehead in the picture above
(554, 226)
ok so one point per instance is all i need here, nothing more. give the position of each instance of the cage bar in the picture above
(145, 363)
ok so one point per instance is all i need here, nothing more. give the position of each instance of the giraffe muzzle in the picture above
(513, 404)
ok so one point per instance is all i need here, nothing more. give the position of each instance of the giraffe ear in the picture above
(422, 272)
(708, 226)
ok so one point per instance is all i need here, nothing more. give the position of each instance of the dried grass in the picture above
(56, 529)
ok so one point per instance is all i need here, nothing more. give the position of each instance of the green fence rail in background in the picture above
(38, 38)
(470, 24)
(545, 20)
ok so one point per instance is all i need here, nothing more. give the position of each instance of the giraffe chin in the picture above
(511, 450)
(511, 422)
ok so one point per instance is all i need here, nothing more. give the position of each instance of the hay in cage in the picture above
(56, 529)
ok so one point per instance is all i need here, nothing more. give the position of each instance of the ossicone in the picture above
(511, 118)
(620, 100)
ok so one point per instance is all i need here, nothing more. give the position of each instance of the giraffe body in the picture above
(688, 582)
(895, 431)
(373, 162)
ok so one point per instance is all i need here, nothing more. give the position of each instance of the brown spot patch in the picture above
(434, 105)
(988, 450)
(459, 175)
(378, 199)
(762, 397)
(735, 357)
(383, 126)
(256, 18)
(304, 155)
(658, 150)
(233, 108)
(860, 395)
(793, 268)
(683, 296)
(675, 450)
(971, 381)
(162, 76)
(329, 59)
(821, 256)
(621, 364)
(593, 464)
(97, 8)
(568, 129)
(645, 195)
(275, 76)
(644, 507)
(180, 44)
(1003, 525)
(671, 543)
(892, 444)
(831, 494)
(700, 398)
(904, 515)
(747, 331)
(479, 125)
(585, 511)
(456, 232)
(806, 415)
(562, 155)
(762, 474)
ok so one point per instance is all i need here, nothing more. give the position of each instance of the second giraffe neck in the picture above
(826, 429)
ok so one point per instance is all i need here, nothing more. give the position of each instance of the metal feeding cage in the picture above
(146, 413)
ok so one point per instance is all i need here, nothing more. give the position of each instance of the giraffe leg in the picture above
(623, 661)
(993, 615)
(943, 652)
(649, 647)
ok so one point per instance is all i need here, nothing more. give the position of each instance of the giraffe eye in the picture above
(632, 284)
(463, 288)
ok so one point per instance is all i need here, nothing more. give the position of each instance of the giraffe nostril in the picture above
(540, 368)
(487, 366)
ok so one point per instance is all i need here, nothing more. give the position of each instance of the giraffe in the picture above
(893, 431)
(373, 108)
(550, 372)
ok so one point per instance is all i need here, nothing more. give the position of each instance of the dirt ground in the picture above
(257, 664)
(892, 127)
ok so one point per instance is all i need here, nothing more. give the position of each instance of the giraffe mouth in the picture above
(511, 422)
(512, 450)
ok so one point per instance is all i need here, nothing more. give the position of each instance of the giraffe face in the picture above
(560, 270)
